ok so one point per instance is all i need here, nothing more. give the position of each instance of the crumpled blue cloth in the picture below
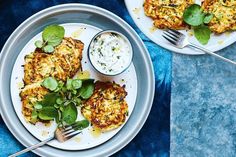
(154, 138)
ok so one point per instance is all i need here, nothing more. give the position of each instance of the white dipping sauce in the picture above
(110, 53)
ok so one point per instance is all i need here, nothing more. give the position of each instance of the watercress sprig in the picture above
(62, 100)
(195, 17)
(52, 36)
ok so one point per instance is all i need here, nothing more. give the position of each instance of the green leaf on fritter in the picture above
(87, 89)
(50, 83)
(48, 113)
(60, 86)
(53, 34)
(193, 15)
(69, 84)
(69, 114)
(38, 44)
(50, 99)
(34, 114)
(59, 100)
(76, 83)
(77, 101)
(79, 125)
(207, 18)
(48, 48)
(38, 106)
(202, 33)
(55, 42)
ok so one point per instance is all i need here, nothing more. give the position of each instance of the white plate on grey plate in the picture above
(145, 24)
(73, 17)
(88, 138)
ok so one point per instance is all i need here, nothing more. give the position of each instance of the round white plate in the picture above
(217, 42)
(87, 139)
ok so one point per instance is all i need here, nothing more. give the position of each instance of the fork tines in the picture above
(72, 134)
(174, 31)
(72, 126)
(65, 133)
(71, 130)
(172, 36)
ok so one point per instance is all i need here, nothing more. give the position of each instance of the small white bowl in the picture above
(124, 67)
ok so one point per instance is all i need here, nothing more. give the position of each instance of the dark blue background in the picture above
(154, 138)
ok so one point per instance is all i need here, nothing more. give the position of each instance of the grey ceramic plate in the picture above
(77, 13)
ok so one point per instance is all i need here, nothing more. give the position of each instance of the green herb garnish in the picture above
(59, 100)
(48, 48)
(208, 18)
(62, 101)
(50, 99)
(87, 89)
(50, 83)
(52, 36)
(48, 113)
(34, 116)
(69, 84)
(194, 16)
(38, 106)
(202, 33)
(76, 83)
(70, 113)
(81, 124)
(39, 44)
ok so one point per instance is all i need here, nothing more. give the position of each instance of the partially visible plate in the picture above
(98, 18)
(145, 24)
(88, 138)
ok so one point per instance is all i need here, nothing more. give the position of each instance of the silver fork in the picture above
(61, 134)
(180, 40)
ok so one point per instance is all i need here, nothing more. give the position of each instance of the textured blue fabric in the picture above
(154, 138)
(203, 106)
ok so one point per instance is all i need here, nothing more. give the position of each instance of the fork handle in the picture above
(31, 147)
(212, 53)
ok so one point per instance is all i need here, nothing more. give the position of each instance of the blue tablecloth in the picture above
(154, 138)
(203, 106)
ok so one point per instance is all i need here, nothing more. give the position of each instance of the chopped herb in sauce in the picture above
(110, 53)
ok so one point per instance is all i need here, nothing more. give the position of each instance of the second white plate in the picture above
(145, 24)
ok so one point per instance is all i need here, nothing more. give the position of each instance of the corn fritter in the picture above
(224, 14)
(167, 13)
(106, 108)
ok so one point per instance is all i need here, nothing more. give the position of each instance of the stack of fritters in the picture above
(224, 12)
(167, 13)
(106, 108)
(63, 63)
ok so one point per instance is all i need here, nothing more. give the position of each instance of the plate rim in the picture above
(166, 46)
(77, 7)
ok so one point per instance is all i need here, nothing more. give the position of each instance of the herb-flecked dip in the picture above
(110, 53)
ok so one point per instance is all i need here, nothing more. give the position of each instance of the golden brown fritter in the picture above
(167, 13)
(106, 109)
(64, 62)
(224, 12)
(30, 94)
